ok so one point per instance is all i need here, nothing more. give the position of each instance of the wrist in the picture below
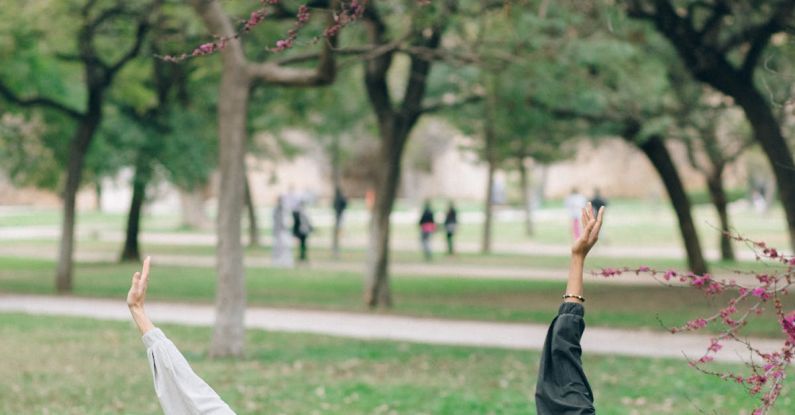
(578, 256)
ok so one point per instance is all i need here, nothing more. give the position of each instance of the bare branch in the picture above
(448, 104)
(140, 35)
(38, 102)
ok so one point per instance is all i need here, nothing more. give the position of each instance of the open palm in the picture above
(140, 282)
(590, 230)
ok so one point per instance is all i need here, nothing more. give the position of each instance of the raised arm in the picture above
(178, 388)
(136, 297)
(562, 386)
(590, 234)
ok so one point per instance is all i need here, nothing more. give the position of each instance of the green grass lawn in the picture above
(58, 365)
(358, 256)
(446, 297)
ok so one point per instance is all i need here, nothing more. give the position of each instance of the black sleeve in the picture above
(562, 387)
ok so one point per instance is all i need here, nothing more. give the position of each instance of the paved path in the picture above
(389, 327)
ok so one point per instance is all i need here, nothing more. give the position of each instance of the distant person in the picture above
(302, 227)
(598, 201)
(291, 199)
(281, 254)
(575, 201)
(340, 204)
(369, 199)
(427, 228)
(450, 226)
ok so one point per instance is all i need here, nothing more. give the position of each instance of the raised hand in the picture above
(136, 297)
(590, 231)
(140, 282)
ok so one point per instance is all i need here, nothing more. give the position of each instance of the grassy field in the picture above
(77, 366)
(440, 296)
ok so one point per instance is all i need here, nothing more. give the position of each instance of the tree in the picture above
(395, 120)
(239, 75)
(721, 43)
(697, 122)
(97, 53)
(616, 82)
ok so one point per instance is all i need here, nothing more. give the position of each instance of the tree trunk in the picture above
(336, 178)
(719, 200)
(77, 152)
(768, 133)
(657, 153)
(485, 246)
(489, 152)
(527, 201)
(131, 250)
(253, 228)
(98, 194)
(229, 332)
(376, 291)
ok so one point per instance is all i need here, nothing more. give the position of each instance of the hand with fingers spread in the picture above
(588, 237)
(136, 297)
(590, 230)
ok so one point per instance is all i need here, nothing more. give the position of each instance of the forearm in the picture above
(141, 319)
(574, 285)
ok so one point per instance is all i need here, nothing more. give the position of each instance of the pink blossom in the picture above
(700, 281)
(758, 292)
(696, 324)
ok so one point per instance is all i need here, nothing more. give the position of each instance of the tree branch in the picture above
(375, 69)
(38, 102)
(447, 104)
(140, 35)
(323, 74)
(760, 36)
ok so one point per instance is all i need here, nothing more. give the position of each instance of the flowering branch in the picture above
(349, 12)
(767, 369)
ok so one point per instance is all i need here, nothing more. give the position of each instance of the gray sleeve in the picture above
(180, 391)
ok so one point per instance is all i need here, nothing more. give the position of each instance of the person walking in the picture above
(302, 227)
(450, 226)
(575, 201)
(598, 201)
(340, 204)
(427, 228)
(281, 254)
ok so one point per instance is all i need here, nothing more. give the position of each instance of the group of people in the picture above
(428, 227)
(562, 386)
(301, 228)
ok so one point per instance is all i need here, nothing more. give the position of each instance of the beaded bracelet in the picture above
(579, 297)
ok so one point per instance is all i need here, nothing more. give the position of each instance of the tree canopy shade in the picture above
(102, 27)
(722, 43)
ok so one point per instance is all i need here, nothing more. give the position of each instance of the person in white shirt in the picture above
(574, 202)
